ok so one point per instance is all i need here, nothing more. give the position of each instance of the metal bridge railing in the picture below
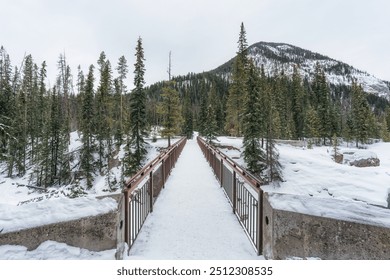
(142, 190)
(242, 189)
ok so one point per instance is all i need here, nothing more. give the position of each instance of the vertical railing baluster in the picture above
(260, 220)
(234, 187)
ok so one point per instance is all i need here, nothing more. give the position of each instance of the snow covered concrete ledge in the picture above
(88, 223)
(306, 227)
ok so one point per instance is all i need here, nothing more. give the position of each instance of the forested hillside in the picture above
(241, 98)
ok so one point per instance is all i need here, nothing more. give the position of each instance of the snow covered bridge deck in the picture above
(192, 218)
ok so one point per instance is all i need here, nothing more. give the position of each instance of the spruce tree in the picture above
(43, 123)
(384, 132)
(87, 127)
(253, 154)
(103, 117)
(120, 90)
(202, 118)
(298, 97)
(117, 114)
(188, 125)
(272, 125)
(211, 127)
(138, 125)
(360, 114)
(313, 123)
(170, 110)
(322, 99)
(387, 117)
(7, 101)
(237, 92)
(64, 87)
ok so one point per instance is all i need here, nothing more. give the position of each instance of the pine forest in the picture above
(37, 120)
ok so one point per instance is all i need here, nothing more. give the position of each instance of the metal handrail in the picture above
(247, 207)
(142, 173)
(139, 198)
(253, 181)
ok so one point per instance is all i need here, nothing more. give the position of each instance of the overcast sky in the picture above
(202, 34)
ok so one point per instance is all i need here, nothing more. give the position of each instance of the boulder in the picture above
(360, 158)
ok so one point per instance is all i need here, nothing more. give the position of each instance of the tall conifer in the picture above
(138, 125)
(237, 92)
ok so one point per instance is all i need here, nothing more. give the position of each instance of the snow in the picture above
(353, 155)
(14, 218)
(192, 218)
(355, 211)
(370, 83)
(51, 250)
(312, 172)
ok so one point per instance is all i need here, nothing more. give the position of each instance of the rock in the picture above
(360, 158)
(339, 158)
(366, 162)
(388, 199)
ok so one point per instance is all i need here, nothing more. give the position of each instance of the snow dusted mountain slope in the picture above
(279, 56)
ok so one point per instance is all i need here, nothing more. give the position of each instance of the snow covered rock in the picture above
(360, 158)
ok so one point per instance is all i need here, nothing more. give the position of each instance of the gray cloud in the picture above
(201, 34)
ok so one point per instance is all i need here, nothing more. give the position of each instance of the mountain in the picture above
(281, 56)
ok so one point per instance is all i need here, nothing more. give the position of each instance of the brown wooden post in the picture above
(234, 192)
(151, 191)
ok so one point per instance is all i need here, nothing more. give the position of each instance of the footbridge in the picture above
(207, 207)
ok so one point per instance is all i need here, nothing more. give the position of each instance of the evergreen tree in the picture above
(298, 97)
(202, 118)
(360, 114)
(103, 117)
(253, 154)
(64, 87)
(384, 132)
(56, 141)
(7, 101)
(284, 106)
(272, 125)
(117, 114)
(170, 110)
(313, 123)
(238, 91)
(321, 92)
(120, 91)
(43, 123)
(211, 127)
(387, 117)
(138, 129)
(188, 126)
(87, 127)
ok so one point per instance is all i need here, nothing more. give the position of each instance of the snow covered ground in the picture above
(14, 218)
(313, 172)
(183, 207)
(54, 206)
(51, 250)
